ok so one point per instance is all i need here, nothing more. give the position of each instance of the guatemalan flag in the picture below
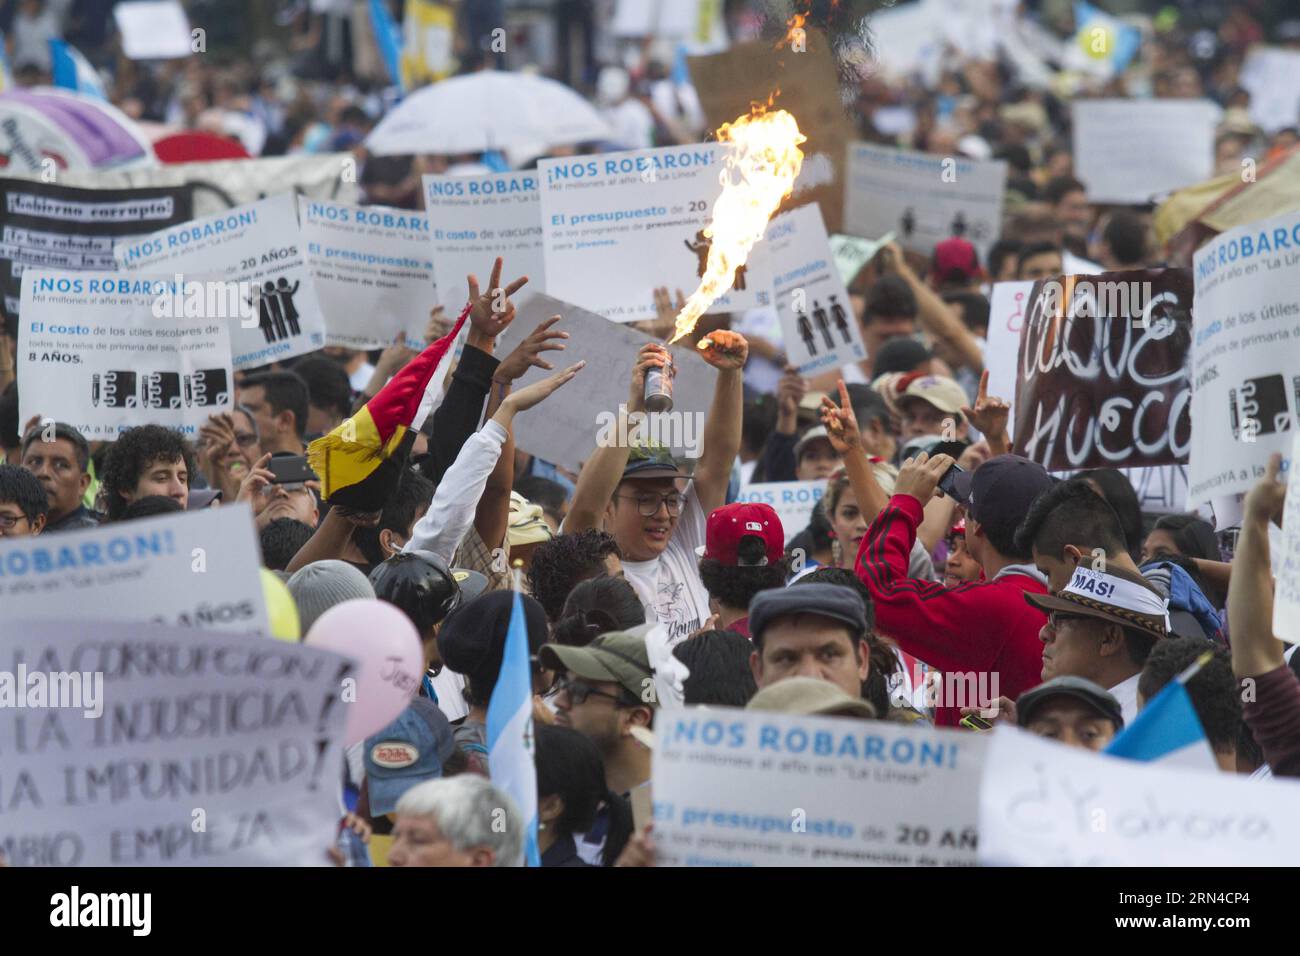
(1167, 729)
(72, 71)
(510, 729)
(388, 37)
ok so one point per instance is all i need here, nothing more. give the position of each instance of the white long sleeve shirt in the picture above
(451, 512)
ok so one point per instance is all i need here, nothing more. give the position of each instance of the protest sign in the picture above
(1271, 75)
(257, 245)
(197, 569)
(1102, 371)
(1128, 151)
(852, 253)
(224, 184)
(1246, 354)
(61, 227)
(793, 501)
(1286, 562)
(1045, 804)
(745, 788)
(94, 351)
(807, 81)
(817, 320)
(148, 745)
(154, 30)
(1162, 488)
(617, 226)
(923, 198)
(564, 430)
(372, 272)
(474, 219)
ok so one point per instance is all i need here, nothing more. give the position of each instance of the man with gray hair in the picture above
(457, 821)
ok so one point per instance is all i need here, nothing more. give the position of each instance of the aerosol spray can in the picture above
(659, 387)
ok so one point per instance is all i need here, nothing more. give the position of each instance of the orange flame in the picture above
(795, 28)
(762, 162)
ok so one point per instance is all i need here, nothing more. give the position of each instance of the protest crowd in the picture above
(972, 457)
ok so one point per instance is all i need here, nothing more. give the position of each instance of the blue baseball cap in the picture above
(410, 750)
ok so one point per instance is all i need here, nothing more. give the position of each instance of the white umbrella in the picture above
(487, 110)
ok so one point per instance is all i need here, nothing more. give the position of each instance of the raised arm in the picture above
(603, 470)
(726, 351)
(935, 315)
(1255, 650)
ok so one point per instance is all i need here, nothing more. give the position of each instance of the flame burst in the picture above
(762, 162)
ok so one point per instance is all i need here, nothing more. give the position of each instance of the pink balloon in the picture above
(391, 662)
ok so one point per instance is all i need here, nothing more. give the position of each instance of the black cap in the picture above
(999, 492)
(899, 354)
(825, 600)
(651, 461)
(421, 585)
(1080, 688)
(472, 640)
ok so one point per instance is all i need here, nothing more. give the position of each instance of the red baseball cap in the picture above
(955, 260)
(728, 524)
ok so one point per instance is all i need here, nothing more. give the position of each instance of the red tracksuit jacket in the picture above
(981, 627)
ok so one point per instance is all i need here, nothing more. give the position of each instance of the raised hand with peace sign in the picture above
(491, 311)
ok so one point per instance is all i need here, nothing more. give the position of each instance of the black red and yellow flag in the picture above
(360, 461)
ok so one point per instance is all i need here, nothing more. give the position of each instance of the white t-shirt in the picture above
(670, 585)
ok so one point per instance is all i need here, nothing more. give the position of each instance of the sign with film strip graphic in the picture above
(94, 352)
(1246, 355)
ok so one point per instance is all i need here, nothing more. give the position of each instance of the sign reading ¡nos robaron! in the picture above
(1103, 371)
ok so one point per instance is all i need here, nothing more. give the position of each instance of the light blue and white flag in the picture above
(1167, 729)
(6, 78)
(510, 729)
(388, 37)
(1102, 44)
(72, 71)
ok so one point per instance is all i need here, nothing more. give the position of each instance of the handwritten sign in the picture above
(160, 746)
(1045, 804)
(745, 788)
(1103, 371)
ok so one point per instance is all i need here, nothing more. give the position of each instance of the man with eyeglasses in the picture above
(606, 691)
(1102, 626)
(23, 505)
(58, 455)
(654, 510)
(228, 448)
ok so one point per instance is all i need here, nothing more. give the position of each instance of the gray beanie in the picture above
(322, 584)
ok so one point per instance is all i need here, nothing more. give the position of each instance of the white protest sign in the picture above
(1271, 75)
(226, 183)
(1043, 803)
(257, 244)
(565, 428)
(197, 569)
(793, 501)
(852, 253)
(1128, 151)
(154, 30)
(474, 219)
(619, 225)
(147, 745)
(817, 320)
(745, 788)
(372, 272)
(1245, 354)
(1008, 303)
(923, 198)
(1286, 558)
(94, 351)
